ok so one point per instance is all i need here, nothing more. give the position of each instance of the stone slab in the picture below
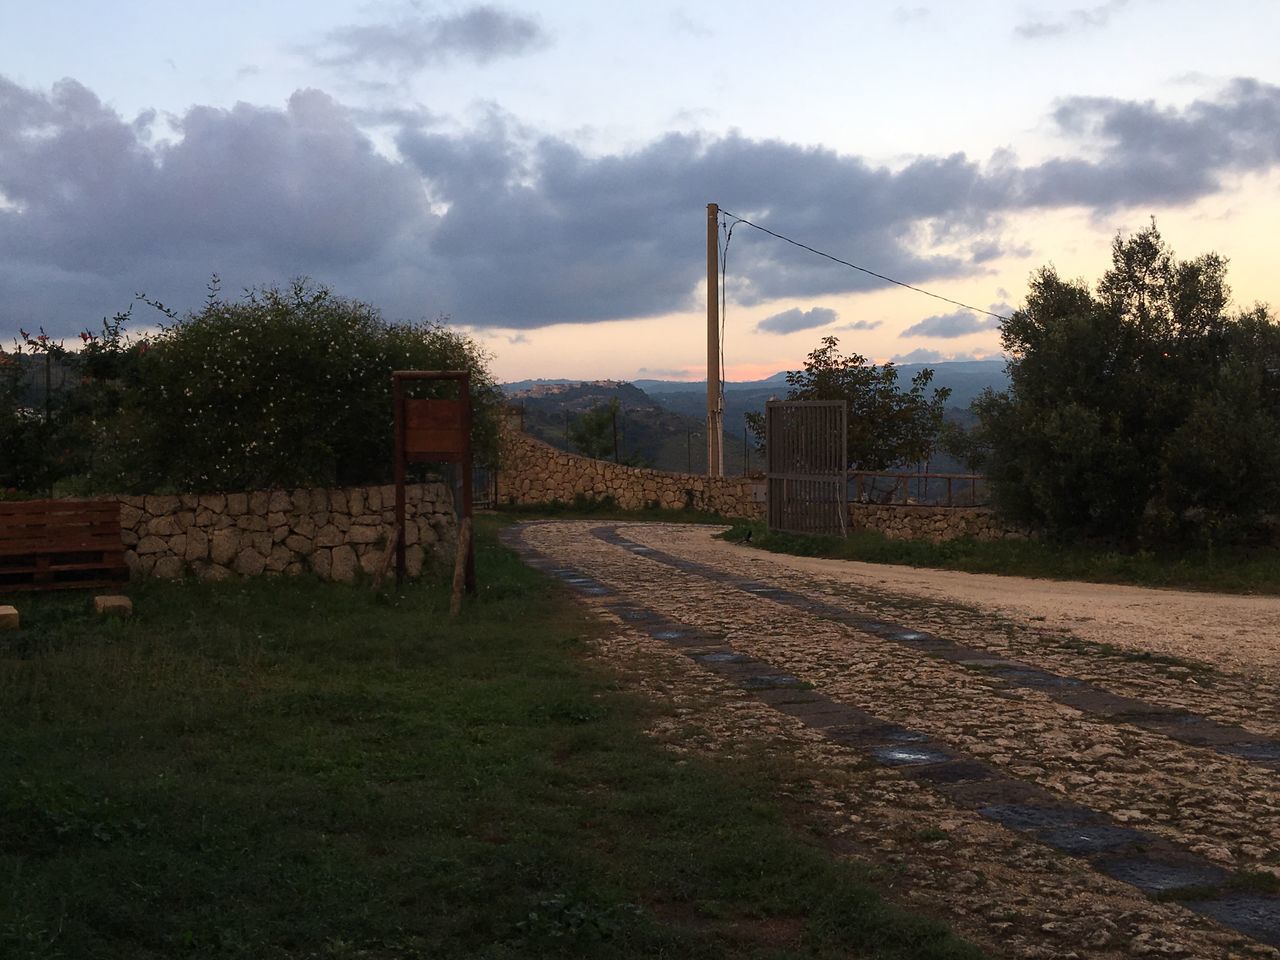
(112, 605)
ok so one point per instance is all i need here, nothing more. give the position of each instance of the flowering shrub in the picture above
(284, 387)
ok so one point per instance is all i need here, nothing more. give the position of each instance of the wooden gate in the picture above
(806, 443)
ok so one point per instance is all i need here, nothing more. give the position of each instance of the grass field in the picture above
(1228, 571)
(282, 768)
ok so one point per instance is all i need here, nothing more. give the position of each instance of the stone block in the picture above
(280, 502)
(168, 568)
(413, 560)
(321, 562)
(150, 545)
(212, 571)
(129, 516)
(258, 502)
(9, 619)
(237, 503)
(197, 545)
(249, 563)
(224, 546)
(364, 535)
(298, 544)
(328, 536)
(161, 506)
(343, 567)
(214, 502)
(112, 605)
(279, 558)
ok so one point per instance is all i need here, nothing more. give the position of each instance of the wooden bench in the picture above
(60, 545)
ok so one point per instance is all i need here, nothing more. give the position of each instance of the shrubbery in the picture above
(283, 387)
(1146, 411)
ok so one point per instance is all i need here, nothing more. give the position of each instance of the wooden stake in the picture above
(460, 563)
(393, 542)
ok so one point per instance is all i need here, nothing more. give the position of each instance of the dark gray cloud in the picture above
(501, 227)
(1083, 18)
(946, 325)
(1145, 153)
(479, 34)
(789, 321)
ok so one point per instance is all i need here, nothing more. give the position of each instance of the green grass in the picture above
(280, 768)
(1228, 571)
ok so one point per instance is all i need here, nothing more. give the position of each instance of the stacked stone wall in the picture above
(333, 533)
(904, 521)
(533, 472)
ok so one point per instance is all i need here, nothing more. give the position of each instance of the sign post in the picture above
(434, 431)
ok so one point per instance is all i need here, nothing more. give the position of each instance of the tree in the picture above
(1141, 411)
(593, 433)
(888, 426)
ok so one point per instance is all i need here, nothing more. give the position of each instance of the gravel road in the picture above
(1149, 714)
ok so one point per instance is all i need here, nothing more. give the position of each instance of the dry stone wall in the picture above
(904, 521)
(535, 472)
(330, 532)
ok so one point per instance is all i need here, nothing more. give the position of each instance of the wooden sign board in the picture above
(436, 430)
(433, 431)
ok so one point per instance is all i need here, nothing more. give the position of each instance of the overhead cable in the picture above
(878, 276)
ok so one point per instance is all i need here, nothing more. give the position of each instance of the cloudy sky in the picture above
(538, 172)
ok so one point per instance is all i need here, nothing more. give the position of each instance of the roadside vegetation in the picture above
(285, 768)
(1227, 570)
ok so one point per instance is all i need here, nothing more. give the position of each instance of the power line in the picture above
(846, 263)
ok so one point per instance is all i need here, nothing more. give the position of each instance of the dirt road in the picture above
(1041, 764)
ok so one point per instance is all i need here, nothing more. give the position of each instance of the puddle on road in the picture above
(909, 755)
(1160, 876)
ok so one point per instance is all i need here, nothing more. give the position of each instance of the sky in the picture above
(538, 173)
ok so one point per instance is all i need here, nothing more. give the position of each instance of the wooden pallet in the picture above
(60, 545)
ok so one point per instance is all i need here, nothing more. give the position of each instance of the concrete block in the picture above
(8, 618)
(112, 605)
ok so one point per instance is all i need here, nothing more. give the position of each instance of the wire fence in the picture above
(932, 489)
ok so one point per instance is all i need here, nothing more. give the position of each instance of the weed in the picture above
(1238, 571)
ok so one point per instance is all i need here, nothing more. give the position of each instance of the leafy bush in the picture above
(281, 388)
(286, 388)
(1146, 411)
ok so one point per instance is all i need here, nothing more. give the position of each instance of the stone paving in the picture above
(1040, 828)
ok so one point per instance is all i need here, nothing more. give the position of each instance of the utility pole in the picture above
(715, 402)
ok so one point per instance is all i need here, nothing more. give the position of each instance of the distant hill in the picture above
(663, 420)
(649, 434)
